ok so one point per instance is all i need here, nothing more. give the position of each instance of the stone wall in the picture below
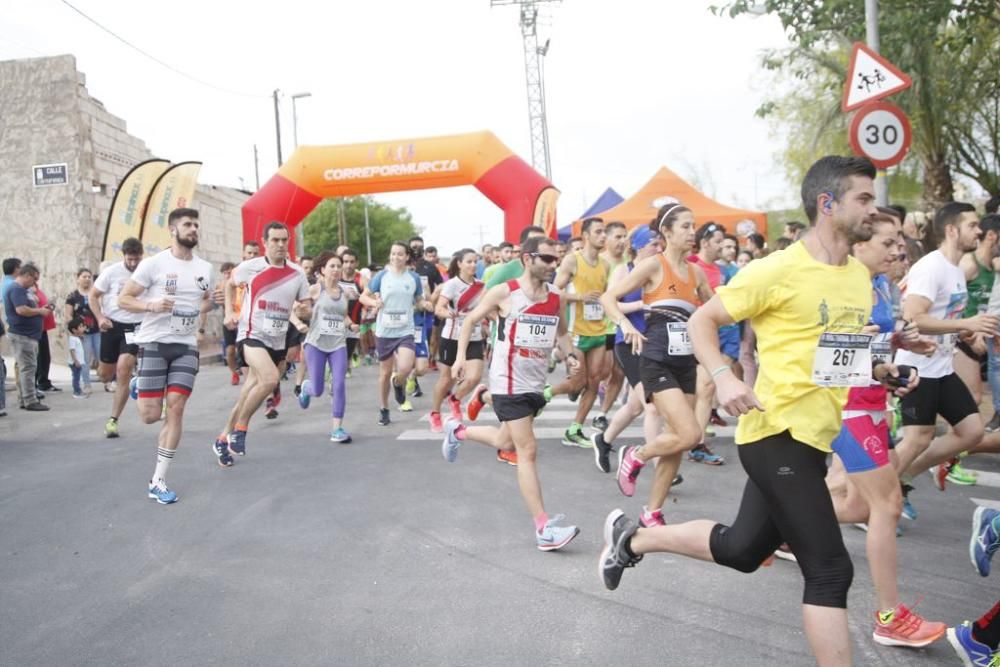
(48, 116)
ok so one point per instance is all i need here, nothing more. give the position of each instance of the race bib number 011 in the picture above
(536, 331)
(678, 340)
(593, 311)
(843, 360)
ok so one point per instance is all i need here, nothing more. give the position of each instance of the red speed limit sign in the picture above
(880, 131)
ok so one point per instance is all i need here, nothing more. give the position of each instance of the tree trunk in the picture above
(938, 186)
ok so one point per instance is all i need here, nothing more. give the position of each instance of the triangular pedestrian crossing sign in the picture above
(871, 77)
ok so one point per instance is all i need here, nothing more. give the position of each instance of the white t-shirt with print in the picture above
(187, 282)
(110, 282)
(943, 284)
(268, 298)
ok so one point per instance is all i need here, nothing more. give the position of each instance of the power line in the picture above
(160, 62)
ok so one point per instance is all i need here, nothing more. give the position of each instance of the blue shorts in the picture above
(729, 342)
(420, 350)
(863, 441)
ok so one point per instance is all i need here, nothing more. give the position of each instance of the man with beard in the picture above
(808, 305)
(117, 325)
(175, 288)
(936, 296)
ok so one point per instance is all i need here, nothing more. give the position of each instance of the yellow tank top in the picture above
(589, 317)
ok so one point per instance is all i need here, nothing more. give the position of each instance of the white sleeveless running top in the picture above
(525, 338)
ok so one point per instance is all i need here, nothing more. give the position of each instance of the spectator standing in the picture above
(76, 358)
(78, 306)
(26, 320)
(42, 382)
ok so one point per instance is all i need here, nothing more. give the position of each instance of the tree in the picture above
(948, 48)
(387, 224)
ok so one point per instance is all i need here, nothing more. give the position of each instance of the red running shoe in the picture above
(235, 380)
(476, 402)
(510, 458)
(717, 420)
(436, 426)
(456, 408)
(941, 473)
(905, 628)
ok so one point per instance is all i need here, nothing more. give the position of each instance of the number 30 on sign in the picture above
(880, 131)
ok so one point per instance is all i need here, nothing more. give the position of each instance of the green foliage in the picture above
(387, 224)
(950, 49)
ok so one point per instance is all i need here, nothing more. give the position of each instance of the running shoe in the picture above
(111, 428)
(347, 375)
(573, 395)
(553, 537)
(436, 424)
(417, 391)
(602, 452)
(340, 435)
(940, 473)
(221, 449)
(650, 519)
(406, 406)
(905, 628)
(161, 494)
(679, 479)
(993, 425)
(411, 385)
(961, 476)
(576, 438)
(355, 361)
(615, 556)
(909, 511)
(456, 407)
(702, 454)
(600, 422)
(553, 361)
(628, 470)
(547, 393)
(398, 392)
(510, 458)
(450, 444)
(133, 388)
(235, 379)
(785, 553)
(383, 417)
(972, 652)
(238, 442)
(276, 396)
(985, 539)
(476, 404)
(304, 396)
(717, 420)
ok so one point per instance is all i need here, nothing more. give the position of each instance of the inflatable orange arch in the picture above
(479, 158)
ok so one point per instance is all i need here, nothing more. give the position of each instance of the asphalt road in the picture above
(380, 553)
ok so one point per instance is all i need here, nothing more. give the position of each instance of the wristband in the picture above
(719, 371)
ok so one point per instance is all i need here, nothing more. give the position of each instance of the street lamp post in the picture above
(872, 38)
(295, 117)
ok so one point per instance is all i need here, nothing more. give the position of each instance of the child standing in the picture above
(76, 354)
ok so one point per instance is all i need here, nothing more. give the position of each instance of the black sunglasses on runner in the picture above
(545, 257)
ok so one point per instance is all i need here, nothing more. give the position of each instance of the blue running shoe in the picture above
(238, 442)
(909, 511)
(340, 435)
(985, 539)
(133, 388)
(450, 445)
(553, 537)
(304, 395)
(161, 494)
(972, 653)
(221, 449)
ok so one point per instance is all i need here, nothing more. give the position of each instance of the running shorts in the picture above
(946, 396)
(364, 328)
(166, 366)
(510, 407)
(293, 338)
(228, 336)
(863, 441)
(586, 343)
(113, 343)
(657, 376)
(629, 363)
(386, 347)
(448, 351)
(277, 356)
(968, 351)
(609, 342)
(729, 342)
(352, 347)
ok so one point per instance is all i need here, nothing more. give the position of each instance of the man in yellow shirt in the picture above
(807, 306)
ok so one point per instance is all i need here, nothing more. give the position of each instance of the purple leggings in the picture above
(316, 361)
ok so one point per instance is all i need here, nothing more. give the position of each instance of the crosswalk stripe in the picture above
(986, 502)
(986, 478)
(545, 433)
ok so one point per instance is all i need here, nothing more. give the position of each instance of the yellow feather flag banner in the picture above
(174, 189)
(129, 205)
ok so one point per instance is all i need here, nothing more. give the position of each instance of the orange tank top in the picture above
(672, 290)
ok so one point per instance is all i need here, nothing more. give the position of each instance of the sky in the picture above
(631, 85)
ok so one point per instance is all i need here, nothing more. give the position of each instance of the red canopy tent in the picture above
(641, 207)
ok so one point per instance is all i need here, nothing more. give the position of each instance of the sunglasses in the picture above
(545, 257)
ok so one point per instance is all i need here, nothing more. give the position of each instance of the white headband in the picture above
(668, 212)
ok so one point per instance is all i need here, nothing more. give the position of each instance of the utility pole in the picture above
(872, 40)
(368, 234)
(343, 222)
(256, 168)
(277, 125)
(533, 74)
